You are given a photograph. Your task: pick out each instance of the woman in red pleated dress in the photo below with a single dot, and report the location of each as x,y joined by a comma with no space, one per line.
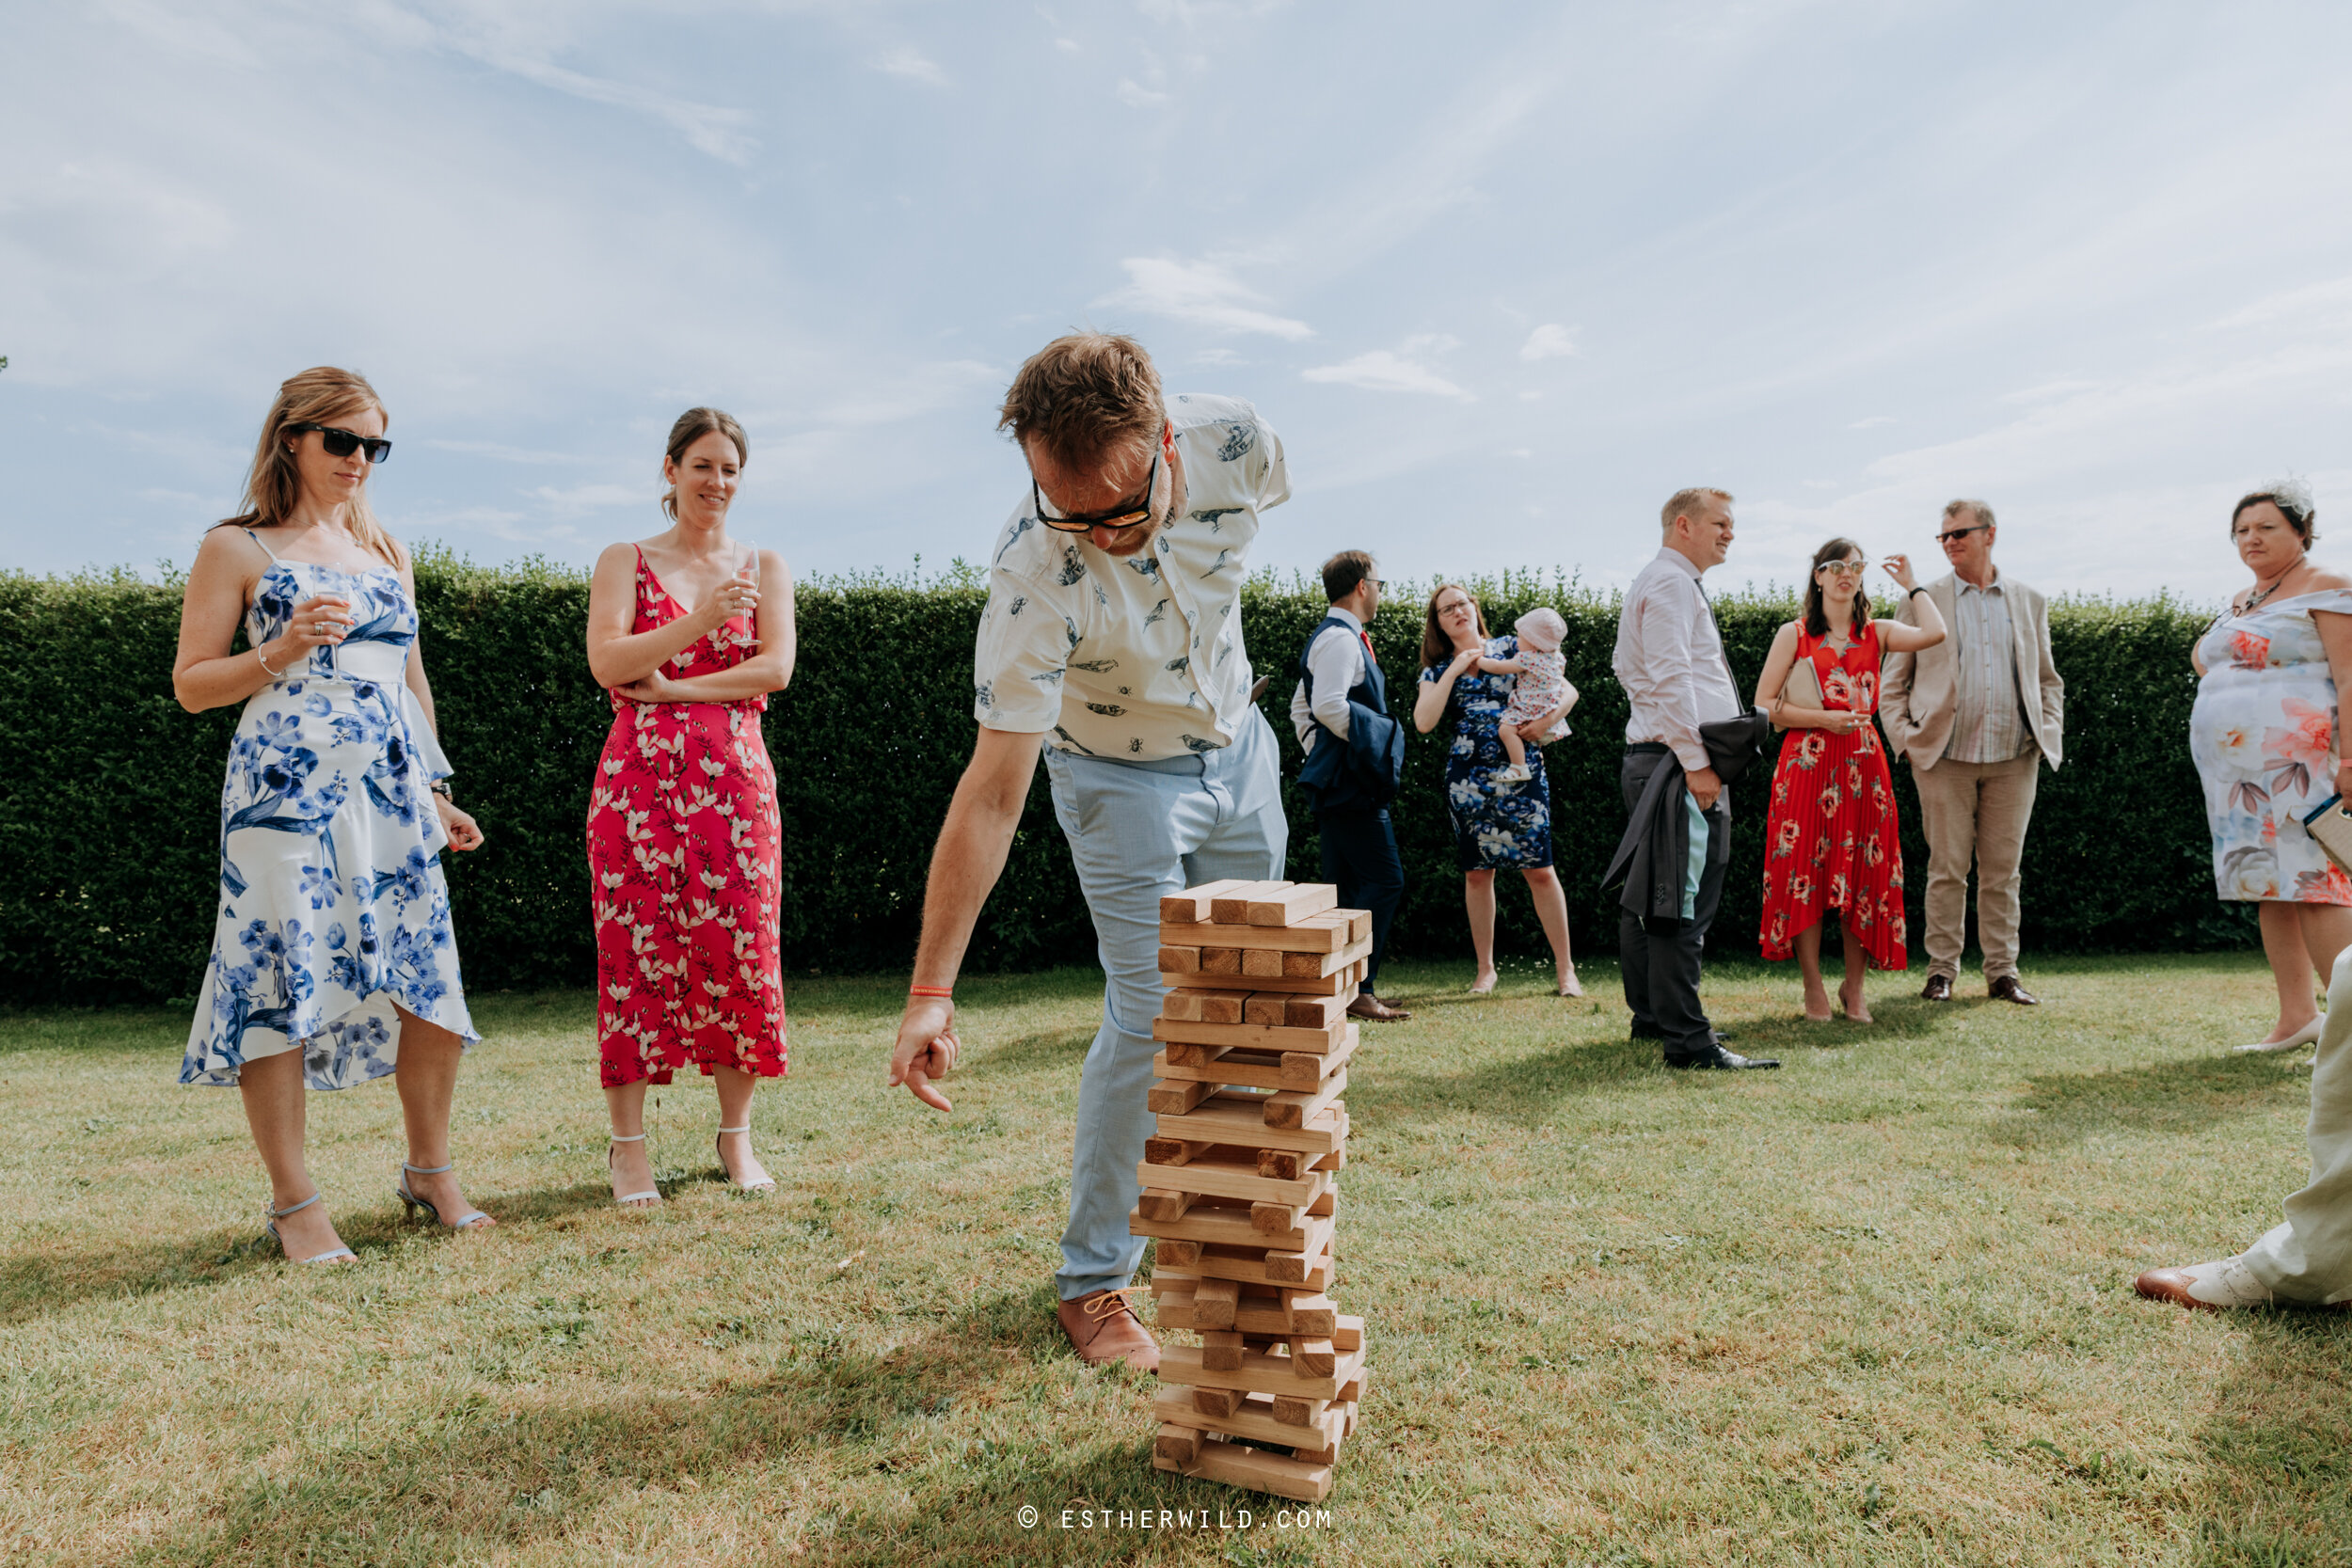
1831,841
690,630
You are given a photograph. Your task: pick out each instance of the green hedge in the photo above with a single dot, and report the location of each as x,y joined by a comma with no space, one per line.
109,823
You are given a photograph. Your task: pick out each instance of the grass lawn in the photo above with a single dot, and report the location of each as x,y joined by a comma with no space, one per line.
1872,1309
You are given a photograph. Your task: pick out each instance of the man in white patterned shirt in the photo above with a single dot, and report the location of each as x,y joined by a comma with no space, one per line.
1976,715
1112,642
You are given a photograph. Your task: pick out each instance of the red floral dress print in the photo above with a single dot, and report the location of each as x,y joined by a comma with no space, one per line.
1832,840
685,849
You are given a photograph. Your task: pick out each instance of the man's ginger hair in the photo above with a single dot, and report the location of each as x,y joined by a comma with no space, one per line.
1083,397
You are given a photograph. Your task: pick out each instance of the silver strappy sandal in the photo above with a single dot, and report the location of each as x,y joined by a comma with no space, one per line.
472,1216
277,1214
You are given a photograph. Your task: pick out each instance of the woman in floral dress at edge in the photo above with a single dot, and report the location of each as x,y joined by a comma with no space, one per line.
1831,841
2264,738
1495,827
690,630
333,961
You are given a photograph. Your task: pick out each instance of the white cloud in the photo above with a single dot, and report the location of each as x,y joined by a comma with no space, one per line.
913,66
707,127
1384,371
1218,356
1548,342
1136,96
572,500
1872,422
1201,293
1068,46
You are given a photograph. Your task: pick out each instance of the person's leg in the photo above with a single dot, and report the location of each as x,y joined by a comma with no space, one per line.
1478,897
277,1109
1632,931
2326,933
1359,857
1808,945
736,1089
1857,965
426,1071
2309,1257
1552,910
1678,948
2003,807
1948,812
630,1163
1513,747
2290,967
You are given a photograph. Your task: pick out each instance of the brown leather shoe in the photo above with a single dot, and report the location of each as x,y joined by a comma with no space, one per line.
1369,1006
2006,989
1938,988
1104,1328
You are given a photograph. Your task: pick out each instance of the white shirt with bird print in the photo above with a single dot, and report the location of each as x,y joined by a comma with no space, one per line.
1137,658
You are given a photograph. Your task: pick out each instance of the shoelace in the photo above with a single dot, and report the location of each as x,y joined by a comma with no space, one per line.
1098,1306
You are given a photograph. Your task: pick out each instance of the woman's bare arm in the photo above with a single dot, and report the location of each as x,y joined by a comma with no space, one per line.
617,656
205,674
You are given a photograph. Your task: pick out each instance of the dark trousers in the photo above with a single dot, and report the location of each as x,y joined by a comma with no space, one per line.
1659,958
1360,854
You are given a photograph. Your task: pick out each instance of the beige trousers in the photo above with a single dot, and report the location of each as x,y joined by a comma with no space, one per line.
1975,811
2309,1258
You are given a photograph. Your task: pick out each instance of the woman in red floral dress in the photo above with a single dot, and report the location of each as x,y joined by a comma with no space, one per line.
690,630
1831,841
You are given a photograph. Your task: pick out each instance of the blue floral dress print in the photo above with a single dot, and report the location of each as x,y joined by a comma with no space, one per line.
332,904
1496,827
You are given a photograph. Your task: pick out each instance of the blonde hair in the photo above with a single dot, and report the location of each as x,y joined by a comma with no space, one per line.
1685,503
692,426
273,486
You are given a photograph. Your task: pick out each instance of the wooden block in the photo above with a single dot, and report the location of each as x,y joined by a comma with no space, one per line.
1204,1007
1326,1203
1249,1265
1292,1108
1163,1204
1251,1417
1276,1164
1257,1374
1174,1099
1275,1219
1174,1151
1230,1172
1311,1312
1256,1470
1231,906
1181,962
1320,933
1335,1161
1221,1349
1306,1312
1352,1386
1215,1301
1299,1268
1291,1411
1279,1009
1230,1117
1307,1070
1186,1054
1263,1070
1178,1443
1191,907
1359,923
1342,982
1219,1402
1348,1333
1222,1223
1291,904
1321,1040
1175,1254
1220,960
1270,965
1310,1353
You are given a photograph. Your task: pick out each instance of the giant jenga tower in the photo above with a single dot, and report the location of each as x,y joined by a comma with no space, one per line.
1241,1183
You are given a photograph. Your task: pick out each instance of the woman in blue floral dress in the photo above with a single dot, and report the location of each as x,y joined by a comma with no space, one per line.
333,961
1496,826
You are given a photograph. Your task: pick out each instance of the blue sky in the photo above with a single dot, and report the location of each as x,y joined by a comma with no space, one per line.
1502,276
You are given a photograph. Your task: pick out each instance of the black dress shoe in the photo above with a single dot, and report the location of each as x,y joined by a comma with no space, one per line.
1938,988
1716,1057
2006,989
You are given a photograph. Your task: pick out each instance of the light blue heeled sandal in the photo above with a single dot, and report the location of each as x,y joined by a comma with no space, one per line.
472,1216
277,1214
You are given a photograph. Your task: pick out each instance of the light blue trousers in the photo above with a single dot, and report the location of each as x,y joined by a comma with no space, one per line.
1139,830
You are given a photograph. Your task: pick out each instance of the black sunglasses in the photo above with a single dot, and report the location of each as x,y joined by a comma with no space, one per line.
1961,533
343,443
1126,515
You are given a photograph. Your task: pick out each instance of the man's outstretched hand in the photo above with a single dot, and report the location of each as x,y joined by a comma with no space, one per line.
926,1048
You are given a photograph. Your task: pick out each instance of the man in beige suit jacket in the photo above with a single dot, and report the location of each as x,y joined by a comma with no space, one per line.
1976,715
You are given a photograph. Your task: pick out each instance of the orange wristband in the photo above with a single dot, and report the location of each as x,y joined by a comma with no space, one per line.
931,990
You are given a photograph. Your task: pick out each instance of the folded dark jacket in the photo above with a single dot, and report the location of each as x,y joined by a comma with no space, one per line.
1364,771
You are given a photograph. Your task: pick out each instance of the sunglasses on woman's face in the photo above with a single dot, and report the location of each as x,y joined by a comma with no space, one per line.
343,443
1845,568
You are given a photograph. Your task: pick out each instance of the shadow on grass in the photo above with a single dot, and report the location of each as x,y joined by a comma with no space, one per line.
2168,1098
476,1481
2278,1486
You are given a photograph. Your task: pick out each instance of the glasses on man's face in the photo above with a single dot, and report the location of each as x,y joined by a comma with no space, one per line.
1847,569
1954,536
1133,513
343,443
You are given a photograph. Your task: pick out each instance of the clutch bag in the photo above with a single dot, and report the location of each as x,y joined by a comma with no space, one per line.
2331,828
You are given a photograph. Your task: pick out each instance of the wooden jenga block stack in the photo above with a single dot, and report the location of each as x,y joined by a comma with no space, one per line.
1241,1183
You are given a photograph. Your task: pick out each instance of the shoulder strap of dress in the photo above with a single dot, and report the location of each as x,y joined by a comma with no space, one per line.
257,539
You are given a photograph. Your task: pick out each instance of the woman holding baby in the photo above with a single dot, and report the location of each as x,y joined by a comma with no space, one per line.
1831,840
1496,791
689,631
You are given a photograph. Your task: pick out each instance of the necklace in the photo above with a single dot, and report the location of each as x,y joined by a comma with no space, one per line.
2248,609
